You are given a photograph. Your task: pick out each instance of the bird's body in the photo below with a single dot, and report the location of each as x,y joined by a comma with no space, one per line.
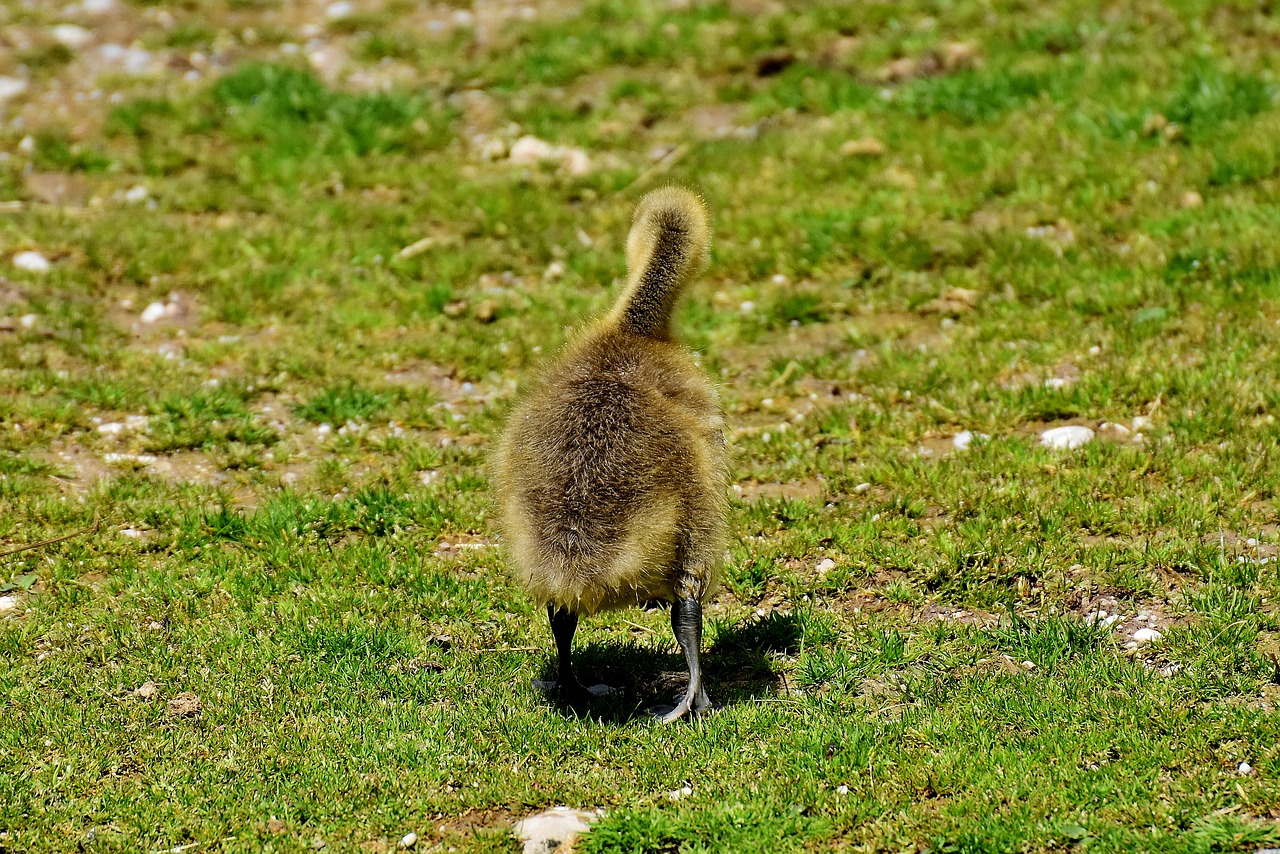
611,472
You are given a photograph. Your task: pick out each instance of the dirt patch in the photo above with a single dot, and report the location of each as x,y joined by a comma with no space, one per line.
87,467
444,383
1126,618
810,489
471,821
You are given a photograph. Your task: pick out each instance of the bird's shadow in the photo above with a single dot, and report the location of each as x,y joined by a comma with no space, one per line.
736,668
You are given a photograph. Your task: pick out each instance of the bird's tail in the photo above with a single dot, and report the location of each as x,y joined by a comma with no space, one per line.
668,246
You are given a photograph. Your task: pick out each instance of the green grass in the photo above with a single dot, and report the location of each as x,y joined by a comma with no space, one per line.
908,647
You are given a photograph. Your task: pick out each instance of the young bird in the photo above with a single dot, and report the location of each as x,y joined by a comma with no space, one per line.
611,473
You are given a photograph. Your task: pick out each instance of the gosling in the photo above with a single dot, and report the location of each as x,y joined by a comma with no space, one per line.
611,473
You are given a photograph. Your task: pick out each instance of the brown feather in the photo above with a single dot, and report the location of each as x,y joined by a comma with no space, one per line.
611,472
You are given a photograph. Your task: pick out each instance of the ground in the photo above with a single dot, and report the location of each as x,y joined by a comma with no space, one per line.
271,274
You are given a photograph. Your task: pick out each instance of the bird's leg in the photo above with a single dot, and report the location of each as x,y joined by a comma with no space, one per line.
563,625
686,624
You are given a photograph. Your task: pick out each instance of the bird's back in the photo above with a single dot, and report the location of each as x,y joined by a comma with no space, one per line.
600,466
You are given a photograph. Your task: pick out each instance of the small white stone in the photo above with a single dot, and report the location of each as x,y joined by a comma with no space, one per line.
529,151
1146,635
1141,422
111,428
97,7
69,35
131,533
27,145
324,429
861,488
1244,769
32,262
131,60
8,603
1056,383
136,194
555,829
575,161
1251,542
964,439
28,321
1070,436
339,10
1029,665
554,270
825,565
152,313
1095,350
842,789
779,279
409,840
12,87
747,307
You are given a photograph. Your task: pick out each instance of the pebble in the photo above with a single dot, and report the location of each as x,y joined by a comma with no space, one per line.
747,307
530,151
11,87
28,321
339,10
69,35
964,439
1244,769
32,262
8,603
1070,436
554,830
136,194
1056,383
576,162
132,60
842,789
1147,635
409,840
152,313
1192,199
861,488
140,459
1141,422
683,792
825,565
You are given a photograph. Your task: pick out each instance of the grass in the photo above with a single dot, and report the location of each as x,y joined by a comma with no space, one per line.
289,471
